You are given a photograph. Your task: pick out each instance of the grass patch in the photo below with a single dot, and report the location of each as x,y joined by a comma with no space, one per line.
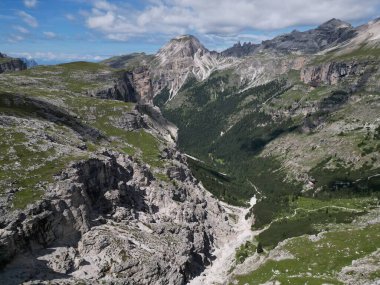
148,145
244,251
162,177
304,222
342,180
354,203
362,52
321,261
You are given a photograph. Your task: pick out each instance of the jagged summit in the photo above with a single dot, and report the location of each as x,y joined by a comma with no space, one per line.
333,24
239,50
326,35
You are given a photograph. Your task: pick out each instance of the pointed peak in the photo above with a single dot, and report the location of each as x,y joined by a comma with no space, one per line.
334,24
185,45
185,40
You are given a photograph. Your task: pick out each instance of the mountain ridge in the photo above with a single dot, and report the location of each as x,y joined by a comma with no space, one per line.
184,56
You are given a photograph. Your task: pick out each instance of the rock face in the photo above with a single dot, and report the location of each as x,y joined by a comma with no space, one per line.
331,72
184,57
9,64
361,74
133,86
108,220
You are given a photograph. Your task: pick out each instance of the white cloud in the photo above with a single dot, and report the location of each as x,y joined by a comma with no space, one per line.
21,29
28,19
219,17
50,35
58,56
70,17
15,38
30,3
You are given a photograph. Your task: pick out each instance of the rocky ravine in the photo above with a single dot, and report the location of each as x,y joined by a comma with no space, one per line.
218,271
107,219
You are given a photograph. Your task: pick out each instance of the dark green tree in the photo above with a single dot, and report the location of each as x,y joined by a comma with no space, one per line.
259,248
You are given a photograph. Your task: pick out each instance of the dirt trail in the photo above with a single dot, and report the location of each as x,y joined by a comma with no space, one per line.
217,272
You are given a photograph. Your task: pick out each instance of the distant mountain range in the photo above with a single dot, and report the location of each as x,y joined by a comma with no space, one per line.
29,62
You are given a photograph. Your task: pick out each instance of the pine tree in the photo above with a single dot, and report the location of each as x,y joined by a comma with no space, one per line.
259,248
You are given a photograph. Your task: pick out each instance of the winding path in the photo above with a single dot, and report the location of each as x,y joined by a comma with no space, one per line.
217,272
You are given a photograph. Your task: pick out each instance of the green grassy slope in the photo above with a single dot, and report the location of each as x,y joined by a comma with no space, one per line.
52,122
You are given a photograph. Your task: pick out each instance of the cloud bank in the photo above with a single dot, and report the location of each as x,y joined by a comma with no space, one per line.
218,17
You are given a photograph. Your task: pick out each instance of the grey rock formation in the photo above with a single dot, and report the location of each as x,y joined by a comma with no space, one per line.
331,73
133,86
108,220
183,57
9,64
326,35
157,121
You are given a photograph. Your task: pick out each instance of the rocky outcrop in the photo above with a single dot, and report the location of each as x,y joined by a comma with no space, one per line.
333,72
9,64
133,86
159,123
109,220
122,90
143,84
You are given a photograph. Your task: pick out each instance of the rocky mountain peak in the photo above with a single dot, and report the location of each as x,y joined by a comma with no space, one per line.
182,46
334,24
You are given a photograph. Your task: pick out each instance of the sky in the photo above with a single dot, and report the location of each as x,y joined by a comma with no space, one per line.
53,31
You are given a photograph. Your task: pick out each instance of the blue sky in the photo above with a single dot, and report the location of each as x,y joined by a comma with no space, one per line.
54,31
